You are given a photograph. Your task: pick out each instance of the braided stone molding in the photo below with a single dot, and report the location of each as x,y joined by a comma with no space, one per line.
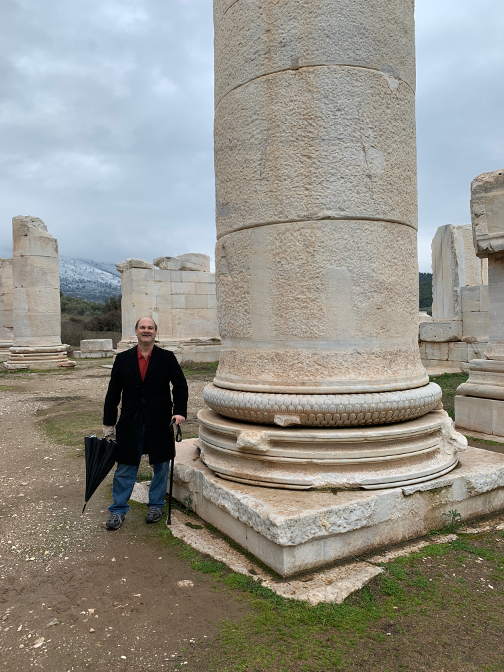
323,410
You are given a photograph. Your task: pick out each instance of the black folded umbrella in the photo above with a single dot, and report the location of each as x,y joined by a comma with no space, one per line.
100,458
178,438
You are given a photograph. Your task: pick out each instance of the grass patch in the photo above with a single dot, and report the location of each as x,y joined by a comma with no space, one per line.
69,419
449,383
199,368
423,612
485,441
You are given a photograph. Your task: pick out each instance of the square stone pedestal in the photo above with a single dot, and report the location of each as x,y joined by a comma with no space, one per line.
478,414
292,531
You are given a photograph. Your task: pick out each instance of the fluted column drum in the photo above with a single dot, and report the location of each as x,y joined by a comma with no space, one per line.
316,257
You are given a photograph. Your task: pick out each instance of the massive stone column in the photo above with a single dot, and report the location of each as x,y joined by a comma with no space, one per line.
6,317
316,259
479,405
36,298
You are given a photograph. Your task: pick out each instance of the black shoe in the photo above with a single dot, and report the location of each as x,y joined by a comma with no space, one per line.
154,516
114,522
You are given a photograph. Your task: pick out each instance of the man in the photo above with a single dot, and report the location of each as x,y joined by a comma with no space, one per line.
142,375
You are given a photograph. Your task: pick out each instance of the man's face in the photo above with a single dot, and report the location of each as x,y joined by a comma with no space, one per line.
146,331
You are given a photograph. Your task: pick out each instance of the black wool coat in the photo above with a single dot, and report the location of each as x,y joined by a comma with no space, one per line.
148,402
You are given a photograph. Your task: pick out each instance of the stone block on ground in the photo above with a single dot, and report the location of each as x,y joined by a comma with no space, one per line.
441,331
294,531
96,345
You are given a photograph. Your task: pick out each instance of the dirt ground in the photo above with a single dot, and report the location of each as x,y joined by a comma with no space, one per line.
74,596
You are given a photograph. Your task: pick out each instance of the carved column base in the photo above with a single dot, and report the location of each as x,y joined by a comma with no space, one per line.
38,357
305,458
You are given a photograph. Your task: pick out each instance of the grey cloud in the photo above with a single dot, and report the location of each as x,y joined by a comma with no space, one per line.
106,120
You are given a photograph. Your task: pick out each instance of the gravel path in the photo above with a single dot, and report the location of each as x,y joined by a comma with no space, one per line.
74,596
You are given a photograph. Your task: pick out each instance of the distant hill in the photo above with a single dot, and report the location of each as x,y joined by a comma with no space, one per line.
89,280
96,281
425,282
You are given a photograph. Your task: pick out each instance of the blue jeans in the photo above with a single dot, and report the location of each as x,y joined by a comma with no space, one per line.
124,480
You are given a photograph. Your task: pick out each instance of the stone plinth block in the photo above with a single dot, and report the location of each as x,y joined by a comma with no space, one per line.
486,379
487,213
368,457
441,332
95,348
96,345
38,357
479,414
292,531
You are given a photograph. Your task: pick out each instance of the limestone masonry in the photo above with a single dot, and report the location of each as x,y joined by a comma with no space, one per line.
36,298
316,267
479,406
458,332
95,348
6,316
323,438
179,294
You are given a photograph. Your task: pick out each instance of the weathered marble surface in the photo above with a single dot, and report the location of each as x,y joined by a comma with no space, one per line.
454,265
36,298
95,348
330,457
321,410
316,209
479,405
6,314
292,531
487,213
316,197
179,294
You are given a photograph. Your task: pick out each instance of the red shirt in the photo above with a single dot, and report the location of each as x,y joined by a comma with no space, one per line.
143,363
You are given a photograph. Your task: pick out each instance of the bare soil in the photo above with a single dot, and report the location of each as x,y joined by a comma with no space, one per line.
74,596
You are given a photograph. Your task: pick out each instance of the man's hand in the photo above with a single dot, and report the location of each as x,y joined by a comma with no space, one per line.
108,431
178,419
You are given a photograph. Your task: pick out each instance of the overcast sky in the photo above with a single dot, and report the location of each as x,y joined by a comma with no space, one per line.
106,120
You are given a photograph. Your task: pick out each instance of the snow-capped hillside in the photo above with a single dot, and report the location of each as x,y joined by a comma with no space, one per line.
91,280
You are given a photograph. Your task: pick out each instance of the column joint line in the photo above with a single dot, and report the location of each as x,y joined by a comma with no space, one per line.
321,65
256,225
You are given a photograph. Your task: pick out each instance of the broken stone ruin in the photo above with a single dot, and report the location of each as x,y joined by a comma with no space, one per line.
479,405
323,438
458,330
6,315
179,294
36,310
